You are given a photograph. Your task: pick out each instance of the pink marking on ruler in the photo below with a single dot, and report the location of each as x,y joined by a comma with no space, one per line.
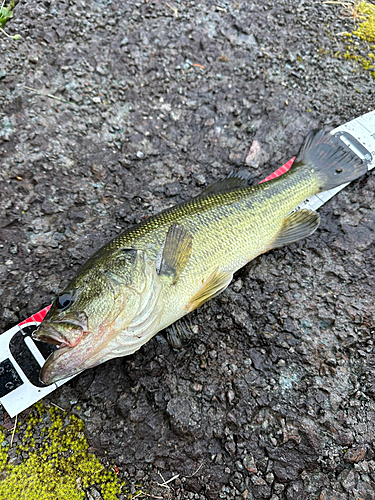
279,171
40,315
37,317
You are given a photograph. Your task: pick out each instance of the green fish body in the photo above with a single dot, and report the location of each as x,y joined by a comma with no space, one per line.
156,272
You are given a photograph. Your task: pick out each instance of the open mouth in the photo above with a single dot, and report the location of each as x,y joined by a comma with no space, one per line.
52,336
65,332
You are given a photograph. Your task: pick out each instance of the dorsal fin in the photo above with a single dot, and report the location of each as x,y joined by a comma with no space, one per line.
233,181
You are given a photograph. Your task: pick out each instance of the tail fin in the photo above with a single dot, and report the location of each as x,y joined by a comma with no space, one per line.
326,156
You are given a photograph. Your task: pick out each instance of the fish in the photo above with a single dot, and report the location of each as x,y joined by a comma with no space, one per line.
161,269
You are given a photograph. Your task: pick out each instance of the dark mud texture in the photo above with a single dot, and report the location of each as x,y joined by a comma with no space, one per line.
274,398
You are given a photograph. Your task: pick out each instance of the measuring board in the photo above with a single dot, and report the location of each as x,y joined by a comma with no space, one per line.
21,357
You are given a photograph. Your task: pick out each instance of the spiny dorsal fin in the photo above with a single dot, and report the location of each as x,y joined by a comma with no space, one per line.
215,283
233,181
176,252
296,226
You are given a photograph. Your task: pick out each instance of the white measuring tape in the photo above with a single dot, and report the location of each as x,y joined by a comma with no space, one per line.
21,357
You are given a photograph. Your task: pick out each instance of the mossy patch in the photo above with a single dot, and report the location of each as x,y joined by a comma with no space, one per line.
361,41
56,463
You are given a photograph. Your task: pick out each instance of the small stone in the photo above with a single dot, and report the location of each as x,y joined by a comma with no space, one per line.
255,110
196,387
9,316
270,478
278,487
77,215
94,494
236,157
231,448
140,155
249,464
200,180
175,114
259,481
209,122
101,70
231,396
257,155
201,349
239,465
348,482
192,485
33,58
356,454
237,285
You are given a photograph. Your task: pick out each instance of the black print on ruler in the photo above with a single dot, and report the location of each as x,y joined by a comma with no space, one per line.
9,378
25,358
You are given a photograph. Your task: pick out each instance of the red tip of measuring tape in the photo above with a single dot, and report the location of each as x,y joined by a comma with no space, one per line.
37,317
280,171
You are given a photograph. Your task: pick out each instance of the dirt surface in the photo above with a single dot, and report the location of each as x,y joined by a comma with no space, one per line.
275,395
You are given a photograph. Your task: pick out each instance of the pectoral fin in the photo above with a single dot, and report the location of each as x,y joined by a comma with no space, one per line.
176,252
295,226
215,283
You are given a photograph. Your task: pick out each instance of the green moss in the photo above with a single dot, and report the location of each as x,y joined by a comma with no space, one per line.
366,29
362,37
60,468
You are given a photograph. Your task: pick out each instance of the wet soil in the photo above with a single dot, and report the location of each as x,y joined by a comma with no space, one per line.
274,397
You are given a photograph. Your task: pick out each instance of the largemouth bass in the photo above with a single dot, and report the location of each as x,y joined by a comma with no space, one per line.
161,269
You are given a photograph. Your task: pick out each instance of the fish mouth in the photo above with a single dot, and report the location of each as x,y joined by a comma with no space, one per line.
50,335
67,331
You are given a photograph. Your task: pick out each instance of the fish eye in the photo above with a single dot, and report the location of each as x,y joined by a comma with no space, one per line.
64,300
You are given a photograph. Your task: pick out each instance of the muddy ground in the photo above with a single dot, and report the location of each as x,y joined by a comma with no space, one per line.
275,395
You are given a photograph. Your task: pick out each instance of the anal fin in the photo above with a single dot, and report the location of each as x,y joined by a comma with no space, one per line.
296,226
215,283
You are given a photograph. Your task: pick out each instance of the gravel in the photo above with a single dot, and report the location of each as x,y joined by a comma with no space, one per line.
274,397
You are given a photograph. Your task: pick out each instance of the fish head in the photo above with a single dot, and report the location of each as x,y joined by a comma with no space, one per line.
109,309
